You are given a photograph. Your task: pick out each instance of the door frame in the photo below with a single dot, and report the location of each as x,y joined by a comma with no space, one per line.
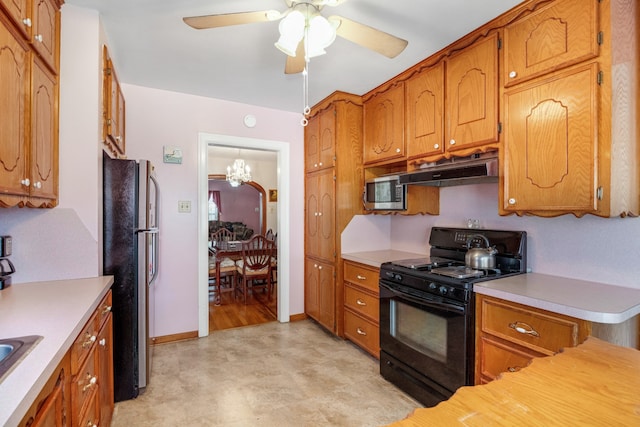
283,151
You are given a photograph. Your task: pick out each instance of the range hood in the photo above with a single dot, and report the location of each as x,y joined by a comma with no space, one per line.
476,169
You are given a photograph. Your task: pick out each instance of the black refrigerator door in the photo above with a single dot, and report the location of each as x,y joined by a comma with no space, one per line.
120,253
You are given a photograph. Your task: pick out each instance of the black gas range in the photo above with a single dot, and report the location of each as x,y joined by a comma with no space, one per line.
444,272
427,318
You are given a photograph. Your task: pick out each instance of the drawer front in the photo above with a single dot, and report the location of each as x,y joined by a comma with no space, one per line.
103,311
84,384
362,275
538,330
498,357
83,344
362,303
362,332
90,417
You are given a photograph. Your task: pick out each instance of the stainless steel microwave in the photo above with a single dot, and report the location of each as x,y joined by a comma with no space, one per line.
385,193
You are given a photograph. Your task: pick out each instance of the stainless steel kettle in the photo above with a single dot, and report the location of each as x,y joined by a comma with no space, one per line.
480,258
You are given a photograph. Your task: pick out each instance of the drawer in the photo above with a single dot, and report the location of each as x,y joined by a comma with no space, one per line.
362,275
103,310
498,357
362,303
84,384
362,332
91,414
83,344
539,330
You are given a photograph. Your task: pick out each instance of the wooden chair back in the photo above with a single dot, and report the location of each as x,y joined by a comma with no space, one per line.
223,235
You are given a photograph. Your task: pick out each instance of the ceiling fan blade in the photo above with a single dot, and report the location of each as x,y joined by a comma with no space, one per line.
227,19
296,64
371,38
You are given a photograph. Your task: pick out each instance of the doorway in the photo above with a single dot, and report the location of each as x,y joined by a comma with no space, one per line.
282,151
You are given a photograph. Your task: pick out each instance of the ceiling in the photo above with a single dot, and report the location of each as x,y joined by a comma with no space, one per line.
152,47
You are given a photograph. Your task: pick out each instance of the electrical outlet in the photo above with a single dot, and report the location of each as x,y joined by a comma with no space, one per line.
184,206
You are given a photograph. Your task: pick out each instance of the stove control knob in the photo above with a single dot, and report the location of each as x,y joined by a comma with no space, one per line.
398,278
432,286
443,290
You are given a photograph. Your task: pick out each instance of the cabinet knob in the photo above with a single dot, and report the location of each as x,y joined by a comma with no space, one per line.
512,74
512,201
397,150
38,37
37,184
103,342
27,22
107,308
320,163
452,142
319,267
436,146
315,214
25,182
319,213
315,165
90,340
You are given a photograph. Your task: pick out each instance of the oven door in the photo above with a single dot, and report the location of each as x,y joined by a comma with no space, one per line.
425,339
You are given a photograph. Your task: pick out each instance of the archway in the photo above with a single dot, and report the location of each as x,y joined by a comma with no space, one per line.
263,199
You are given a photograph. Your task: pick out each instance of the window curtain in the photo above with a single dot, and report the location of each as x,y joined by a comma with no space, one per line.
214,196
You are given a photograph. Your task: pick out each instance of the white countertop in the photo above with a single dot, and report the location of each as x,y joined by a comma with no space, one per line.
56,310
375,258
595,302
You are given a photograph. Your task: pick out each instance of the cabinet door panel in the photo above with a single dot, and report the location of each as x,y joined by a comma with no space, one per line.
384,126
105,376
311,287
15,61
44,150
327,296
45,40
312,209
424,103
311,144
550,143
18,10
327,143
472,95
326,216
559,35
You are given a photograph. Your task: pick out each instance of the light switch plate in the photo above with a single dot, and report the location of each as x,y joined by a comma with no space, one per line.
184,206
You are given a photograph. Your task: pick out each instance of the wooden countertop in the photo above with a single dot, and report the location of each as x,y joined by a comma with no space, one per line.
595,302
56,310
593,384
376,258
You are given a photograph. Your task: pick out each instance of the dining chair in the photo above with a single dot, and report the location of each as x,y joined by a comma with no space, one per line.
226,265
254,267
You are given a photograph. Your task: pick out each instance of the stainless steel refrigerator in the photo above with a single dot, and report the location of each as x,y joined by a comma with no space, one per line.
130,254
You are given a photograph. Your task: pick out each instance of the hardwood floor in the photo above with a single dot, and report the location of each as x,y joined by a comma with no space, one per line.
232,314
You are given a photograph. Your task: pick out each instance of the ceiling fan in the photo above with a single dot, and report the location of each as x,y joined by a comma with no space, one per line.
300,30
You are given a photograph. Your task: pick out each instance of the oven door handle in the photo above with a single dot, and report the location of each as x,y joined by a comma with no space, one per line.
426,299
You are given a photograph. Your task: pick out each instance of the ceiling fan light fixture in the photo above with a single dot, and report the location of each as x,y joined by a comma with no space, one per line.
320,34
291,32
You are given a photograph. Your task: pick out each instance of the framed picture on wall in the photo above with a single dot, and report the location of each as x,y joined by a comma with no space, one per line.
273,195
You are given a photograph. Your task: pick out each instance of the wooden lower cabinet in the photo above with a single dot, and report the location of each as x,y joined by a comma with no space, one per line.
510,335
80,392
362,306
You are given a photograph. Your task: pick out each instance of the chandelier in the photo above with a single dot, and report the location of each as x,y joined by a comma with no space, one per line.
305,24
239,173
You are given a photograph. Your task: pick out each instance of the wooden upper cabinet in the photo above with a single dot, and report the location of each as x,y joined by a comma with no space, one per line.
113,128
15,63
320,143
549,161
561,34
424,112
44,130
384,126
472,97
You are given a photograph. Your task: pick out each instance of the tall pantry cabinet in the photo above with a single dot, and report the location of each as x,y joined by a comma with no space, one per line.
333,195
